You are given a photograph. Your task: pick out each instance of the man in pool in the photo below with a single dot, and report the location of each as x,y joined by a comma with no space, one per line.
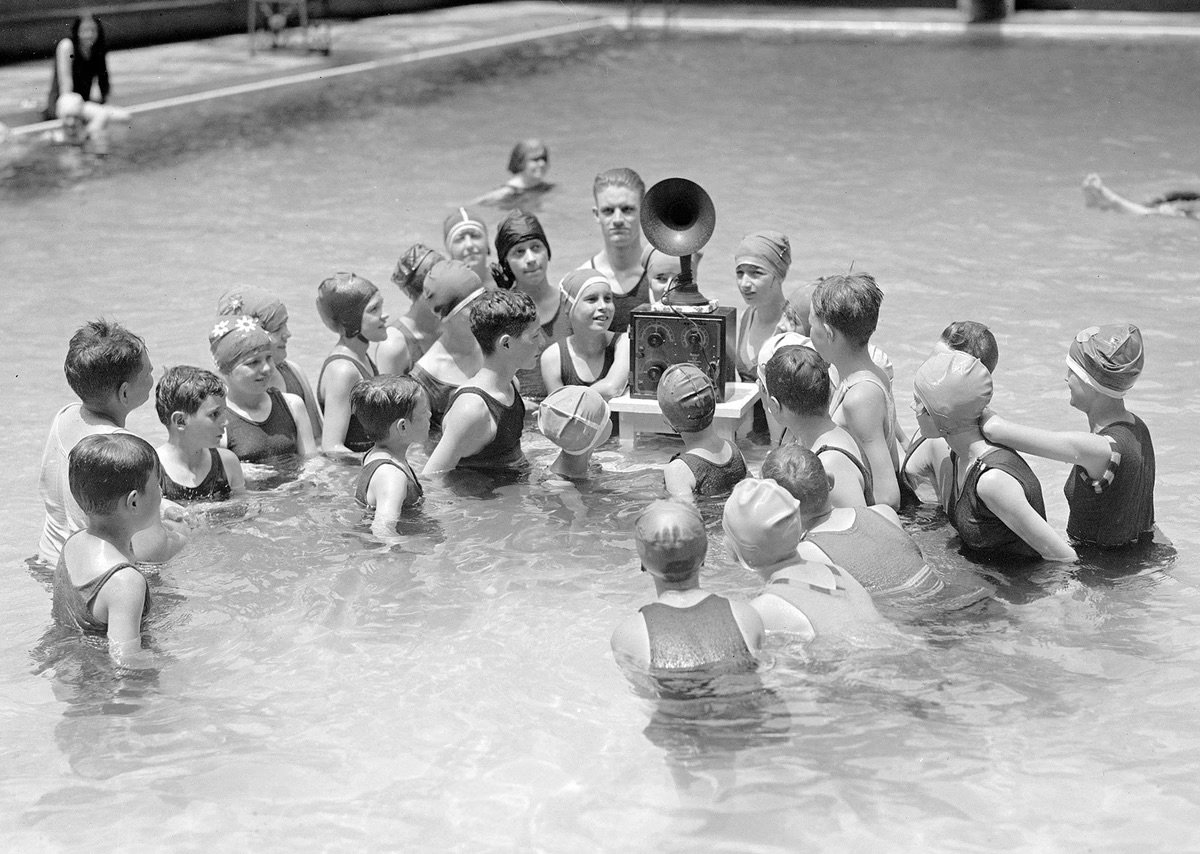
1185,203
618,209
687,628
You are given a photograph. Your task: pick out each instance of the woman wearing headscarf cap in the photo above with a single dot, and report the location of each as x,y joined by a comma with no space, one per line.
993,499
352,308
264,423
1110,490
466,239
761,263
524,254
412,333
451,287
272,315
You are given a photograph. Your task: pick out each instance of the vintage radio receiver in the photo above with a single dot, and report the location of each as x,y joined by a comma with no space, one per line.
659,339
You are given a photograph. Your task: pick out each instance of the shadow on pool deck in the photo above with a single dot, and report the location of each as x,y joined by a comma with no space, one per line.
149,77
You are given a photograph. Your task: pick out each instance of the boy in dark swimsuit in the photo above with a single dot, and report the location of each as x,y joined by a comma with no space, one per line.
191,404
687,628
485,418
394,411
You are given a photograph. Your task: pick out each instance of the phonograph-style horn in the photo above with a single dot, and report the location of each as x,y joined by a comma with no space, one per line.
678,218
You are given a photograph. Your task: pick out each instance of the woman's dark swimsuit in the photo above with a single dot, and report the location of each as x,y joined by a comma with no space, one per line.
714,478
978,527
356,435
698,636
214,487
266,440
868,479
1117,509
567,365
439,392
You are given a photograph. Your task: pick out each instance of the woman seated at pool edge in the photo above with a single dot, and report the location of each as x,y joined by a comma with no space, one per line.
80,63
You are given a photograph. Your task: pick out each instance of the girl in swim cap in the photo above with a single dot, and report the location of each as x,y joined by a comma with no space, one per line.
1110,490
994,499
761,263
352,307
412,333
592,354
264,423
524,254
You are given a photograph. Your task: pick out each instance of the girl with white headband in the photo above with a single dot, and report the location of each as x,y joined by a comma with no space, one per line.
592,354
1110,490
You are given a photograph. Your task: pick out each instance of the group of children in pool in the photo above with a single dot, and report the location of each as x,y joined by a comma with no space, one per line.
819,524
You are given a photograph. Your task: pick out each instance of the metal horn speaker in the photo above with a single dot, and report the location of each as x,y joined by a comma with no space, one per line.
678,218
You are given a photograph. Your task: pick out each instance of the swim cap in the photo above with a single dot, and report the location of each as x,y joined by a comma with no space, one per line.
762,522
767,249
451,286
576,282
780,340
341,301
1108,358
412,268
671,540
263,306
576,418
687,397
515,229
459,220
954,388
233,339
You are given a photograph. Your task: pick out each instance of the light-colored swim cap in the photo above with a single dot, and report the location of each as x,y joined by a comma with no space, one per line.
233,339
576,282
576,418
1108,358
762,522
954,388
671,540
687,397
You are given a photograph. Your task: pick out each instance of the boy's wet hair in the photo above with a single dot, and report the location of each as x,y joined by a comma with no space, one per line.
798,470
379,402
499,313
101,356
619,177
184,388
799,379
523,150
968,336
850,304
103,468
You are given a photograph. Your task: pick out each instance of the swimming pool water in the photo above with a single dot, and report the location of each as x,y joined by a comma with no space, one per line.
455,691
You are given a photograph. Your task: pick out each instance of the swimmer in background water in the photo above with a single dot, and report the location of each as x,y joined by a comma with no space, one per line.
528,163
1184,203
80,64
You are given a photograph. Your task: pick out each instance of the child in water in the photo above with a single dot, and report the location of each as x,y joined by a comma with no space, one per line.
394,412
191,404
265,424
763,529
528,164
97,586
352,307
576,419
709,465
486,416
686,628
591,355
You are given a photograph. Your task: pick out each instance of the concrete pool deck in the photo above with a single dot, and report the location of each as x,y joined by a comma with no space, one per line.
173,75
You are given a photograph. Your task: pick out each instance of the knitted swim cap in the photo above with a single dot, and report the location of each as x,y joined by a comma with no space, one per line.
576,418
412,268
671,540
778,341
687,397
460,219
233,339
262,305
450,287
1108,358
762,522
341,301
768,249
576,282
954,388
